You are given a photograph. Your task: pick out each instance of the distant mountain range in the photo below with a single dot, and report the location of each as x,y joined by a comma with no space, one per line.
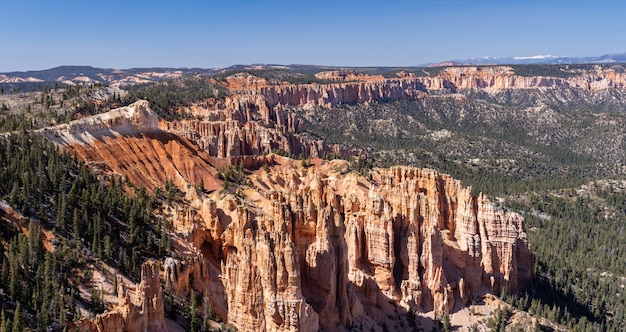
118,77
536,59
88,74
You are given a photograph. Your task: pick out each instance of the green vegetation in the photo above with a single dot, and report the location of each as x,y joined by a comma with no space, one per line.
561,71
498,322
578,242
445,323
28,86
275,75
232,174
498,157
533,148
417,71
91,220
168,97
43,106
13,122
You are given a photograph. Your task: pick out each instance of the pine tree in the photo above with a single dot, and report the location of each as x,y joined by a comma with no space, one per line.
193,313
18,325
7,325
3,322
445,323
163,239
107,248
76,223
208,313
13,196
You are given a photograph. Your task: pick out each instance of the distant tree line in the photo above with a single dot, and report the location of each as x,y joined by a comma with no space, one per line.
168,97
276,75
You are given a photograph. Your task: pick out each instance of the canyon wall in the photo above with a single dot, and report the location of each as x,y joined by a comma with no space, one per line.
313,245
128,141
300,248
320,247
259,117
353,87
134,118
310,96
502,78
244,125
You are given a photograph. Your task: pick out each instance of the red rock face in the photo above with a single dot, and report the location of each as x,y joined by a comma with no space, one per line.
151,159
303,248
318,247
244,125
327,95
256,119
411,236
310,248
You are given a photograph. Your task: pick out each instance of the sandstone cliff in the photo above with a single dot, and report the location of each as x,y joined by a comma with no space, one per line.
315,245
353,87
301,248
501,78
259,117
139,307
128,141
244,125
324,248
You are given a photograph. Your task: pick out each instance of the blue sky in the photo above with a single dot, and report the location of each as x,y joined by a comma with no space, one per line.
136,33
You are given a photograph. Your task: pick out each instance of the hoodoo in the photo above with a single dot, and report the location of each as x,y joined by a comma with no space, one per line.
304,248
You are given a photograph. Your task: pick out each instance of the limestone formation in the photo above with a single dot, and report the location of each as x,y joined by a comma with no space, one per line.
244,125
343,244
139,308
302,248
310,248
258,116
134,118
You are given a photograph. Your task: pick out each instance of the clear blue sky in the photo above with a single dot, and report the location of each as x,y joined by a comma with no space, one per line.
136,33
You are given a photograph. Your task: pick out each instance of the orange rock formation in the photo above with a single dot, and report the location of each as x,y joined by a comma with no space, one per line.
344,244
304,248
128,142
139,308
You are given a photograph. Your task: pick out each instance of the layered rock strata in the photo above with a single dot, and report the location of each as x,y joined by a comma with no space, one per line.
324,248
314,245
128,141
244,125
129,120
308,248
258,117
352,87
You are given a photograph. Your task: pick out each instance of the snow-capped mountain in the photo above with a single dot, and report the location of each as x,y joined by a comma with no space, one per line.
537,59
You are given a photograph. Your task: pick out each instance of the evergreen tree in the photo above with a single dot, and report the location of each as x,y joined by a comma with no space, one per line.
193,313
18,325
76,223
3,321
445,323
